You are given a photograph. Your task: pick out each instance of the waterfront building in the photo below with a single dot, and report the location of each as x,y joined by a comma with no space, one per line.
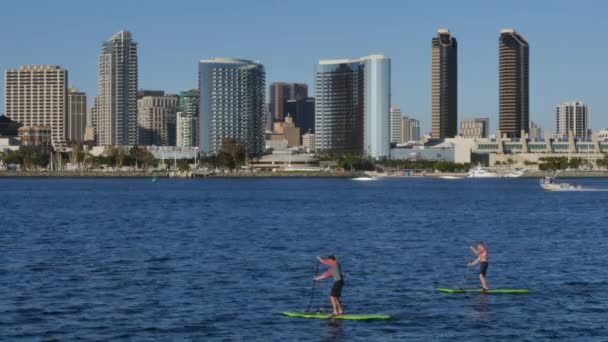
116,105
536,131
302,112
513,84
232,104
475,128
77,115
280,93
444,85
36,136
308,141
187,118
410,130
156,120
352,107
396,129
572,117
37,96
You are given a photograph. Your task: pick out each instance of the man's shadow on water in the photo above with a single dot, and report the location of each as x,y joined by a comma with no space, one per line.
335,330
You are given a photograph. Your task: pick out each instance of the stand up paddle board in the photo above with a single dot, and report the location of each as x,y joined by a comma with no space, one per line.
493,291
327,316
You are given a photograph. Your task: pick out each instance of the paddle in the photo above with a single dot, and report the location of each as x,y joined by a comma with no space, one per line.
312,289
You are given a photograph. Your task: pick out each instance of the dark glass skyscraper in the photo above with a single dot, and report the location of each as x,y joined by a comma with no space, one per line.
444,86
303,113
514,84
281,92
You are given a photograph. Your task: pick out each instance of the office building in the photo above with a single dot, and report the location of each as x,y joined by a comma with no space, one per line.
535,132
444,86
396,134
156,120
302,111
36,136
572,117
280,92
187,118
513,84
352,108
77,115
410,130
37,96
475,128
232,104
308,141
288,131
116,107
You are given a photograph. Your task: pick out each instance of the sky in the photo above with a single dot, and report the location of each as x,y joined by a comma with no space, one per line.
567,53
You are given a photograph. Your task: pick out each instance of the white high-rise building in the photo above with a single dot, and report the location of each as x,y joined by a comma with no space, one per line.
116,111
396,125
572,117
156,120
37,96
352,107
232,104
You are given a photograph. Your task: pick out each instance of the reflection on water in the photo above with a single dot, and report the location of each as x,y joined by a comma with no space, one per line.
335,330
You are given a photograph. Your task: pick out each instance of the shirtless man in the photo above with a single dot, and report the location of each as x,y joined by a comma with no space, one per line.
482,259
334,271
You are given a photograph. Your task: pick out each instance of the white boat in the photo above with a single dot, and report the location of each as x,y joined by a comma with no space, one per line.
450,177
481,172
363,179
513,173
550,184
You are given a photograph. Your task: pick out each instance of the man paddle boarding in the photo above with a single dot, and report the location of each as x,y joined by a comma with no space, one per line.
336,290
482,259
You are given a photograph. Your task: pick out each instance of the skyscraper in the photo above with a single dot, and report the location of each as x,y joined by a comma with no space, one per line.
513,84
280,92
410,130
232,104
536,131
77,115
187,118
396,125
475,128
37,96
302,111
572,117
156,120
444,85
352,108
116,109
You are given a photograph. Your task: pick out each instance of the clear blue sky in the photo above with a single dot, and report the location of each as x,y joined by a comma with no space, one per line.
568,56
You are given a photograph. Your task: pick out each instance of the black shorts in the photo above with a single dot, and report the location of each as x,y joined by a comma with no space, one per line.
336,289
483,268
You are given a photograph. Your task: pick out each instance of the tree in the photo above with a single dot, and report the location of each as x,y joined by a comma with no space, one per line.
232,153
77,154
183,166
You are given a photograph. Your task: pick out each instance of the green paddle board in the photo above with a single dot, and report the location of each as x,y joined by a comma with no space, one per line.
493,291
344,317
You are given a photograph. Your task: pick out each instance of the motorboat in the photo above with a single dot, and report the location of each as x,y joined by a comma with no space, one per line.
481,172
363,178
550,184
450,177
513,173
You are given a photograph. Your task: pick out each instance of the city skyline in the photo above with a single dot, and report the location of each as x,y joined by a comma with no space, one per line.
171,65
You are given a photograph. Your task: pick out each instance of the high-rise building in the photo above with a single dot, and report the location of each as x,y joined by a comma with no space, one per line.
116,107
302,111
352,108
37,96
156,120
396,125
410,130
444,86
536,131
232,104
187,118
513,84
280,92
308,141
77,115
475,128
572,117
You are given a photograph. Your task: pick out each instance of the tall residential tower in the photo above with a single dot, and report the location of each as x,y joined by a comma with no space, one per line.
352,108
572,117
514,111
77,115
444,86
231,104
116,111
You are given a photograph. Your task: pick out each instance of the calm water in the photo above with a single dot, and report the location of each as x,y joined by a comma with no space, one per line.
220,259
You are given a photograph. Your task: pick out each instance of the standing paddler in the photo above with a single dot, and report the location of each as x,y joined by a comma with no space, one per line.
336,290
482,259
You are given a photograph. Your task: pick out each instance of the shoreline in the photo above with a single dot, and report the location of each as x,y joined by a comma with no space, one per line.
344,175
